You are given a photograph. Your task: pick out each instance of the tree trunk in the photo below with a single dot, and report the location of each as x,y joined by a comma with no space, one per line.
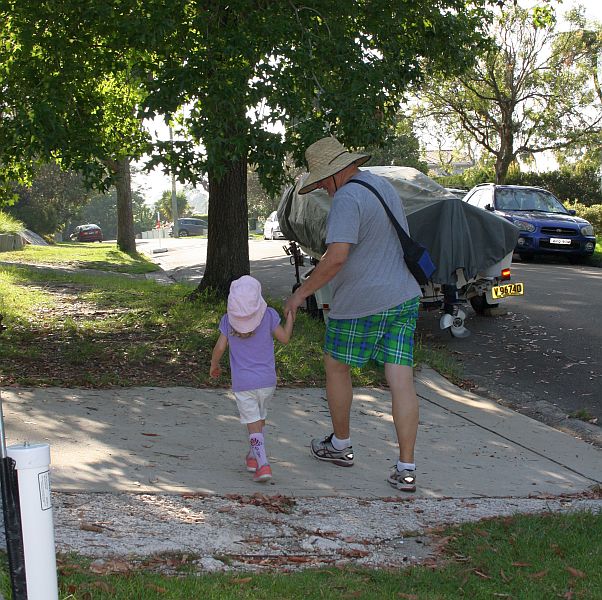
505,154
126,239
228,235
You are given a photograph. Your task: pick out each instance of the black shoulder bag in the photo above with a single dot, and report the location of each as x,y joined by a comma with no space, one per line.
417,257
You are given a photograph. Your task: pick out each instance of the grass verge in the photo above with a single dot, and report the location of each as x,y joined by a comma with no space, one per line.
526,557
101,256
77,328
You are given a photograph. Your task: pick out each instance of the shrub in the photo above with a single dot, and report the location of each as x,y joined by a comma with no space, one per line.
593,214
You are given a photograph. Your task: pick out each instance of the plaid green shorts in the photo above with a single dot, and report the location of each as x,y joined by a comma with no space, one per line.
386,337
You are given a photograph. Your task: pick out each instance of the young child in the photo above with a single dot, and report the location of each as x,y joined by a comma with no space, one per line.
248,329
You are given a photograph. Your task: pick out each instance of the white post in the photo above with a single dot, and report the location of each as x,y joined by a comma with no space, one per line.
33,472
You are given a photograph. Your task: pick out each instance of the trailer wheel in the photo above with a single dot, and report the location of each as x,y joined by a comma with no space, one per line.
480,305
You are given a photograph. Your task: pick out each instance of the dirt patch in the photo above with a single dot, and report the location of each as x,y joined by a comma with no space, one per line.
263,532
77,343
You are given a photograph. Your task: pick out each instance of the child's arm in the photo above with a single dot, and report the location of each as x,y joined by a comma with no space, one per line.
283,334
218,351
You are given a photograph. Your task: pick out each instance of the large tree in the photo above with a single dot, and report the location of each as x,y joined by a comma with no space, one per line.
68,95
318,68
522,97
242,67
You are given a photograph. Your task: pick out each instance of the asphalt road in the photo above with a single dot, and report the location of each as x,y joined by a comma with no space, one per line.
546,348
548,345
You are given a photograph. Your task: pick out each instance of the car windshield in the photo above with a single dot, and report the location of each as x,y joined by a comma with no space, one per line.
527,200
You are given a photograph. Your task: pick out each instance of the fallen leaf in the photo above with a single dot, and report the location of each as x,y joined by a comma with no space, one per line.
481,574
156,588
407,596
354,553
299,559
242,580
90,527
151,434
104,567
575,572
538,575
503,576
521,564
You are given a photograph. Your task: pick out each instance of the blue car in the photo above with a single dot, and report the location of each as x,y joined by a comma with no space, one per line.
546,226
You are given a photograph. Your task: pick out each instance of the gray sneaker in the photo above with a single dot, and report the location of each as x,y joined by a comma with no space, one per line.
403,480
324,450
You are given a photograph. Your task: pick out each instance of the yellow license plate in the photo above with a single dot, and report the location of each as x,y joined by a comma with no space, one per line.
509,289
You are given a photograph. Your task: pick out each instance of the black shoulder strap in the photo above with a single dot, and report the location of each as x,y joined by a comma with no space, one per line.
403,236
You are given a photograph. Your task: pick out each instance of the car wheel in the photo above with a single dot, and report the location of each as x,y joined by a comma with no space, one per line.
480,305
182,233
577,260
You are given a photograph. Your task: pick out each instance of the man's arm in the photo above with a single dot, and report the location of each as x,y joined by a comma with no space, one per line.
330,264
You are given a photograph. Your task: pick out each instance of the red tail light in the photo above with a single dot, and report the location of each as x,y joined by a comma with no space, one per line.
505,274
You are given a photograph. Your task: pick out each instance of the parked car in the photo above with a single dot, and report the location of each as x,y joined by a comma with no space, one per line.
546,226
87,233
190,226
271,228
457,192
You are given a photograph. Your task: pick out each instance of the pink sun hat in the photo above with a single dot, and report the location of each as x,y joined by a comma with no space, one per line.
246,306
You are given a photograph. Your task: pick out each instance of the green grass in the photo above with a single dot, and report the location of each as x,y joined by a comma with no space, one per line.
85,329
71,327
102,256
10,225
78,328
526,557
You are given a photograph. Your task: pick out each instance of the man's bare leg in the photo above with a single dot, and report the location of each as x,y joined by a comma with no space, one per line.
339,392
404,408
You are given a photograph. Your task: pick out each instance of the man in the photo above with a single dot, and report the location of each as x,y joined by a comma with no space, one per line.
374,304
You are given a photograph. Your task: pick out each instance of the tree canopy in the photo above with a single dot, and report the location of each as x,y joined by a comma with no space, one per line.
527,93
78,76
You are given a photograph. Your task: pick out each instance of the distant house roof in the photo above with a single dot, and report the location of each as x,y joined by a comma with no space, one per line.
446,162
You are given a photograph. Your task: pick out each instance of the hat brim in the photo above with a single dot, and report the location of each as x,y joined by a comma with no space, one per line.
250,322
316,177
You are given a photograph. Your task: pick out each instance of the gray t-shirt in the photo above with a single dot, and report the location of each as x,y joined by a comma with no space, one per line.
375,277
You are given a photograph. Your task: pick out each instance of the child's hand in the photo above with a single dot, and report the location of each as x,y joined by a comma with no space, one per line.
215,371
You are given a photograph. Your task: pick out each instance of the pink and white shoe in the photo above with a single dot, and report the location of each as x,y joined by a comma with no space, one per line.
251,463
263,473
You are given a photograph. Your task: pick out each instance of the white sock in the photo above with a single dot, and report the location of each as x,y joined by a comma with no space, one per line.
258,448
340,444
407,466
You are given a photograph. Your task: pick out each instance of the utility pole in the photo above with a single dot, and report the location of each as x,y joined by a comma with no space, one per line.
174,200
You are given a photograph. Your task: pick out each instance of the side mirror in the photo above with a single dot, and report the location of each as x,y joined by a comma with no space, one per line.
572,212
489,207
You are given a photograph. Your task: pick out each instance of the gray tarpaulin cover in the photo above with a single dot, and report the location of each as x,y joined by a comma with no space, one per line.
456,234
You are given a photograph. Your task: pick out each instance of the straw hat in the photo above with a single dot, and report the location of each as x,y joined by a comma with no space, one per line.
246,306
326,158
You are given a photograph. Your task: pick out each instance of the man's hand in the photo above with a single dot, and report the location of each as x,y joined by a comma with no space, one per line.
330,264
293,303
215,371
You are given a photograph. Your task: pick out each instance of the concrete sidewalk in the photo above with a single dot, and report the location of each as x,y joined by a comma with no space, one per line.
175,440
